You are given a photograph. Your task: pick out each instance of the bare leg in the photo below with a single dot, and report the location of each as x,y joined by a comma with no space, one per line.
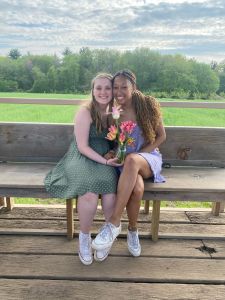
134,165
134,203
87,206
108,205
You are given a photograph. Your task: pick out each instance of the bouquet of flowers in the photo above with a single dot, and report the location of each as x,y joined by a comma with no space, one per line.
120,132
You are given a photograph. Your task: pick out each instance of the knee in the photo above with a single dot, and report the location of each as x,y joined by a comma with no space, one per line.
130,161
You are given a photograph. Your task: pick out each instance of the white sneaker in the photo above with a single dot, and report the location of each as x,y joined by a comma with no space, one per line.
85,251
133,243
106,236
100,255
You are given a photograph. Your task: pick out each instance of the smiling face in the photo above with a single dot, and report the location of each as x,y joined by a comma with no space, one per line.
122,90
102,90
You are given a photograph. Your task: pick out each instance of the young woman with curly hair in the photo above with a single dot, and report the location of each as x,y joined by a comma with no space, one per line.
142,161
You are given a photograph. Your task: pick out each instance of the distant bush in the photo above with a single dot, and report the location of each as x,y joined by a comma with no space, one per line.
8,86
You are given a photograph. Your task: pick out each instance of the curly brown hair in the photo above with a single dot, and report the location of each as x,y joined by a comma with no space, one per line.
147,108
93,105
148,114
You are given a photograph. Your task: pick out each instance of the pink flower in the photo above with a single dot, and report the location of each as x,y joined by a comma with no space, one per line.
122,137
127,126
116,112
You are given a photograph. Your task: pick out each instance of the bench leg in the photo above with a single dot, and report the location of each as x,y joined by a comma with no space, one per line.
222,206
9,203
69,217
76,205
217,208
146,208
155,220
2,201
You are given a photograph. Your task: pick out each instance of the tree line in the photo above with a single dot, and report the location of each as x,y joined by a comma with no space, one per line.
161,75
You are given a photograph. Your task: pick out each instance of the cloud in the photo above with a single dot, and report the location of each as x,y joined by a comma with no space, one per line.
171,25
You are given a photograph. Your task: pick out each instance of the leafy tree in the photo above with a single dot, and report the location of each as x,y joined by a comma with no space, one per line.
41,84
176,75
52,77
66,51
207,80
8,86
86,72
105,60
14,54
173,74
222,83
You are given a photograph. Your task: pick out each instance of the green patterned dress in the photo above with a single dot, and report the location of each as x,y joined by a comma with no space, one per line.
75,174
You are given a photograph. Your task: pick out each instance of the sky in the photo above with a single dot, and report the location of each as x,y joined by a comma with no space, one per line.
193,28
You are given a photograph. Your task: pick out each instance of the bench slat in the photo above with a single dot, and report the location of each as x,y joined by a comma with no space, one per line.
185,179
29,142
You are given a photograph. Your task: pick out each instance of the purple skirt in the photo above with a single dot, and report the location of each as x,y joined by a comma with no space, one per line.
154,160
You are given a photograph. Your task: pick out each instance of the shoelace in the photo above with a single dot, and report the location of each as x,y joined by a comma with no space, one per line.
85,245
134,239
105,232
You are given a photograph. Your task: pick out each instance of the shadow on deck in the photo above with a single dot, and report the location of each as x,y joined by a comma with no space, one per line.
38,262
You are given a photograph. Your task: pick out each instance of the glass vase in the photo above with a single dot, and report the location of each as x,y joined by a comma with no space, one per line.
121,153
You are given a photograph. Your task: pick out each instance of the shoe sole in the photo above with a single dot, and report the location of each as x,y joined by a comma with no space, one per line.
100,259
135,254
86,263
101,247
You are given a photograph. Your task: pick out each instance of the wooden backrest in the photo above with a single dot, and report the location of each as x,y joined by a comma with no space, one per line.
35,142
194,146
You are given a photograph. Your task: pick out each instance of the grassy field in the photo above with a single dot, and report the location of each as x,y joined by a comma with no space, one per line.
65,114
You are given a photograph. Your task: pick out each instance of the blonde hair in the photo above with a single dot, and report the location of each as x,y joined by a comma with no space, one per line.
147,108
93,105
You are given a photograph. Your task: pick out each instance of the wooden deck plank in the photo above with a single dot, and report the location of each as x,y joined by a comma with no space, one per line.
127,269
60,245
205,217
195,229
166,229
217,246
36,213
169,269
71,290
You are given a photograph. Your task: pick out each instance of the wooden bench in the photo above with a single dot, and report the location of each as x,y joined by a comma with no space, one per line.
27,152
194,160
194,157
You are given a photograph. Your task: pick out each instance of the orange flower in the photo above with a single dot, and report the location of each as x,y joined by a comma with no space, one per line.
130,141
112,133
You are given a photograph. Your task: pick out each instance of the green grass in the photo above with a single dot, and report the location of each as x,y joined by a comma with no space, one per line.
37,113
186,204
194,117
65,114
43,96
34,201
179,204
